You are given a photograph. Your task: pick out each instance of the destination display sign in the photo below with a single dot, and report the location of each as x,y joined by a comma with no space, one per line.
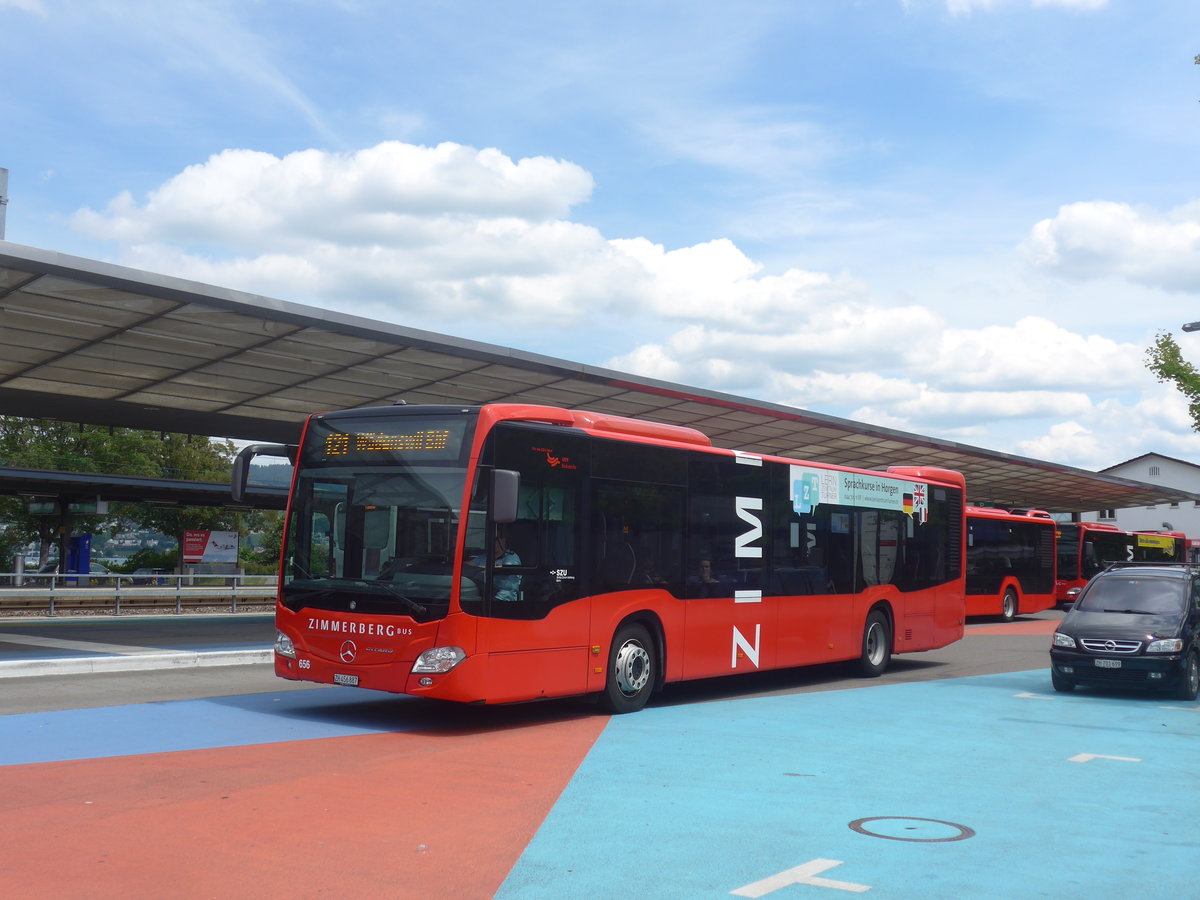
378,439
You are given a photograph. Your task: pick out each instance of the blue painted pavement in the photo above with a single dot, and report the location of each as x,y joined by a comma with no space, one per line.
710,799
198,724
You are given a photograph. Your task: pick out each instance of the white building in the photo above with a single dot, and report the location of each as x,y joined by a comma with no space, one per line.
1154,468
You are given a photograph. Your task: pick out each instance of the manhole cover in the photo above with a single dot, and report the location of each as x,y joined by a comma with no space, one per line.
902,828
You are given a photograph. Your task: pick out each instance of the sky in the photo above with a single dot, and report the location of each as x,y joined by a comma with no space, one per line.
959,218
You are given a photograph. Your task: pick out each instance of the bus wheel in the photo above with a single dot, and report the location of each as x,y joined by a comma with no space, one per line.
1008,606
632,670
876,645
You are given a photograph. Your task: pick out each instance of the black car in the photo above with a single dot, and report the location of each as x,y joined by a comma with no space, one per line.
148,576
99,574
1132,626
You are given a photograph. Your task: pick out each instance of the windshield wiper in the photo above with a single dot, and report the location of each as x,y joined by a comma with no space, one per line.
412,605
338,586
1134,612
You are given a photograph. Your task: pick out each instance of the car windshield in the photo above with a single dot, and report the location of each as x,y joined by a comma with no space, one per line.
1134,594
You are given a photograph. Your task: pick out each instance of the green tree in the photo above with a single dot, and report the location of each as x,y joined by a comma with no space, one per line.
62,446
274,522
189,458
1166,361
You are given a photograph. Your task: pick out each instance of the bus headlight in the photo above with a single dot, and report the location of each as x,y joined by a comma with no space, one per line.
439,660
1063,640
284,645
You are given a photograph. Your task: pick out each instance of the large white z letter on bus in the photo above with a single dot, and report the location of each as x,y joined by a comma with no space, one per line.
740,643
745,507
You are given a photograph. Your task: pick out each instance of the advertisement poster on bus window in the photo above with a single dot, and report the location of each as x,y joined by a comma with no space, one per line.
1156,541
210,546
812,487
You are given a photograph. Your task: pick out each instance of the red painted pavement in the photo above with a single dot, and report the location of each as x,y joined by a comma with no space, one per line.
441,813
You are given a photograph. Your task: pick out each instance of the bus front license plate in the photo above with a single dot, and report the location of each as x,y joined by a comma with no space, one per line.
349,680
1100,663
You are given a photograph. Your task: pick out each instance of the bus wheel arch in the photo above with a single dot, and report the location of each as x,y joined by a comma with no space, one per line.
879,634
635,665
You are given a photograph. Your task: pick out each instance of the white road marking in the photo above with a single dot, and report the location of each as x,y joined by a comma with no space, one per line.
1028,696
1088,757
805,874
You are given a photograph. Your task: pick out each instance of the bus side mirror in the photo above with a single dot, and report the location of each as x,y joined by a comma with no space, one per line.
1072,596
241,465
505,486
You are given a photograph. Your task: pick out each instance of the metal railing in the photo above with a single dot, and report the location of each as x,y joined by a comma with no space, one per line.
116,593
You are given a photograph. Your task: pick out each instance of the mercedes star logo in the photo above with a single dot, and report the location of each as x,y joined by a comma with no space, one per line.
348,651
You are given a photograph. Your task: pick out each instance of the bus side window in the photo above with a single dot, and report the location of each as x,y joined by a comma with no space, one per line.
637,535
545,534
729,516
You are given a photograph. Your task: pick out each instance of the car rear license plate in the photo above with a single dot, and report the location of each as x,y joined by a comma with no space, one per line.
352,680
1101,663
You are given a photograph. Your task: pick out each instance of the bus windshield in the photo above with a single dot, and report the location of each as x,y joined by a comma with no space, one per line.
374,516
373,539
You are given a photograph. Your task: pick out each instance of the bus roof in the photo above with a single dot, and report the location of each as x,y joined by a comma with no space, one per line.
1024,515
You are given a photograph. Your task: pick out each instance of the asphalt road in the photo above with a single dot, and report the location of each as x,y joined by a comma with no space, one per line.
959,774
990,647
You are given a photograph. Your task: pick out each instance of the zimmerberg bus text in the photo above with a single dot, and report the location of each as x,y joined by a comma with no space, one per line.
364,628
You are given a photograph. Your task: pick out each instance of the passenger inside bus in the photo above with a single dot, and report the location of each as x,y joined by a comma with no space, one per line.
705,582
648,572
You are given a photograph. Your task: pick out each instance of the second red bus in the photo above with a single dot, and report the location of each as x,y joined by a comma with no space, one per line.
1010,562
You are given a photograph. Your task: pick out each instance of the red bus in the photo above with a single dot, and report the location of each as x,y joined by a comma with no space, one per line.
1160,546
513,552
1085,548
1010,562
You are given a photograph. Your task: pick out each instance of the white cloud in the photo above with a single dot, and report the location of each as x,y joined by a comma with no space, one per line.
1114,430
1105,239
397,191
1069,442
901,366
473,242
717,283
447,228
1034,352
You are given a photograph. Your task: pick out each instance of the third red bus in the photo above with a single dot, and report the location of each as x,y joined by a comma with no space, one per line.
1085,548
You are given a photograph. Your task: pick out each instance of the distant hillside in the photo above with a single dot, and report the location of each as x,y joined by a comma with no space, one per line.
271,475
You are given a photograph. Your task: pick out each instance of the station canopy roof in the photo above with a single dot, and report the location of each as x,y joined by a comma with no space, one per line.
87,341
